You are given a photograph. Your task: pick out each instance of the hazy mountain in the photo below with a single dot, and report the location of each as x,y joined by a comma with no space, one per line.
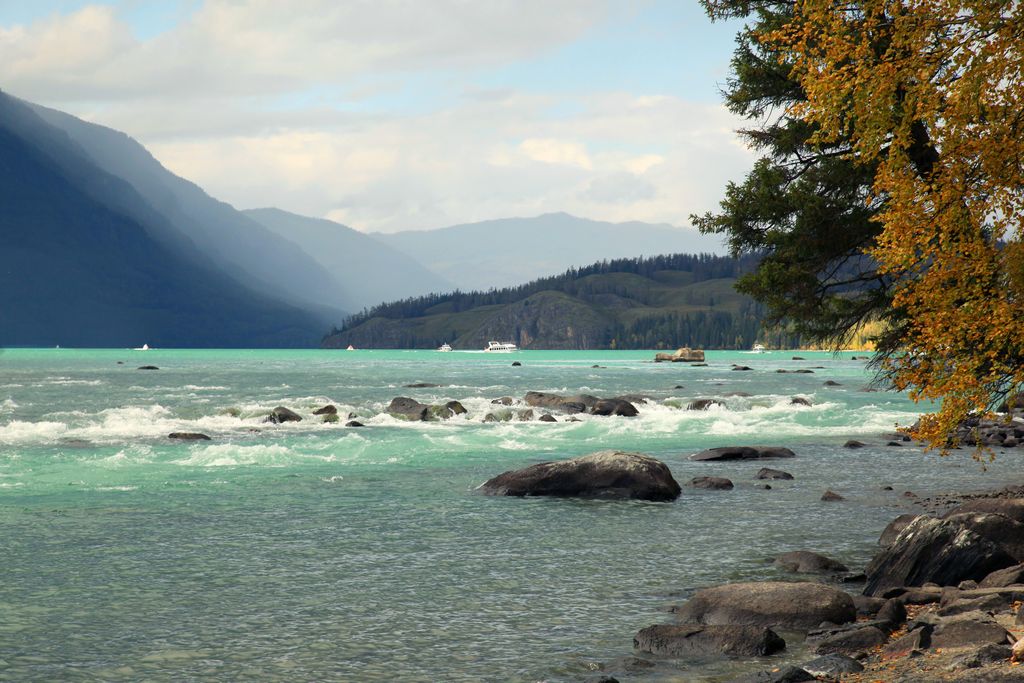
251,253
506,252
660,302
367,271
86,262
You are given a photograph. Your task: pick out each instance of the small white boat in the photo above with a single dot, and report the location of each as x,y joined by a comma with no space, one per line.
350,348
500,347
758,348
444,347
144,347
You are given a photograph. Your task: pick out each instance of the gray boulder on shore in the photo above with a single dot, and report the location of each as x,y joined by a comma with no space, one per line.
605,474
940,551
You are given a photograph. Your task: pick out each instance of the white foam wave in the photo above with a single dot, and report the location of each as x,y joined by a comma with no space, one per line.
18,432
234,455
199,387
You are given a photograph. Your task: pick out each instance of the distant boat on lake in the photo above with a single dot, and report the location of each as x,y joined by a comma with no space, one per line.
144,347
758,348
501,347
444,347
350,348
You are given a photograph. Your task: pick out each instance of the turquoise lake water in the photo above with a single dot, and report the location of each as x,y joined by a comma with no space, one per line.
314,552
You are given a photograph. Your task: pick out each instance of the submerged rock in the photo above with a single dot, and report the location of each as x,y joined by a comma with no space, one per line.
328,409
831,495
423,385
406,408
605,474
769,473
354,423
806,562
703,404
689,640
188,436
742,453
714,483
148,367
799,606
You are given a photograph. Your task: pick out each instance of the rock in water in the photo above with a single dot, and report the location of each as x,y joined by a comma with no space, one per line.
703,404
938,551
769,473
328,409
806,562
688,640
800,606
281,414
188,436
408,409
614,406
831,495
715,483
742,453
148,367
606,474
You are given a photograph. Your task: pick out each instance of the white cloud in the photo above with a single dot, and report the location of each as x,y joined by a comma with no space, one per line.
264,105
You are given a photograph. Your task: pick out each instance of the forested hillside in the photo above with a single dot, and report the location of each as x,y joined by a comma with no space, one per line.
638,303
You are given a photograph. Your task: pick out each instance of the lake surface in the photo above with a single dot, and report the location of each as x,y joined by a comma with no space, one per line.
311,551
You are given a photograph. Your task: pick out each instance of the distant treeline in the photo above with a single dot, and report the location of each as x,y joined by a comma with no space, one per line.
701,266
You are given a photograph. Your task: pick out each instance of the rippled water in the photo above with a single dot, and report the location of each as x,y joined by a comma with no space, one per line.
311,551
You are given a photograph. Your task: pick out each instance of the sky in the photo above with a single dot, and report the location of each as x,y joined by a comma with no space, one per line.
393,115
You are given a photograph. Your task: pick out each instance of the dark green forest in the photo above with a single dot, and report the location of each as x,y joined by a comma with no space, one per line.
630,303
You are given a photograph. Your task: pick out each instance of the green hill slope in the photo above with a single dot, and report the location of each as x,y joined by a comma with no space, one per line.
659,302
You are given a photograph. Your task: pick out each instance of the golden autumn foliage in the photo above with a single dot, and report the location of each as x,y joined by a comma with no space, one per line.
931,93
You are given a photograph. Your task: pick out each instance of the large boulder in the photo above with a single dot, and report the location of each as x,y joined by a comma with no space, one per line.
281,414
1004,577
742,453
892,531
408,409
1005,532
799,606
929,550
574,404
1008,507
614,406
806,562
605,474
701,640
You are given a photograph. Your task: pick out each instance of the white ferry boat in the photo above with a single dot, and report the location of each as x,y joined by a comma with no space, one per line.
350,348
444,347
500,347
758,348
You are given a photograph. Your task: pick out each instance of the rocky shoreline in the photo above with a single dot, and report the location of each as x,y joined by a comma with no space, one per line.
942,599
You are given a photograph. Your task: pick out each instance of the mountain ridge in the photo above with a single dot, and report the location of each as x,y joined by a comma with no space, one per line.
657,302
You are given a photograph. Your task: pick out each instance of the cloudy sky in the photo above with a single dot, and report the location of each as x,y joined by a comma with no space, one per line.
389,115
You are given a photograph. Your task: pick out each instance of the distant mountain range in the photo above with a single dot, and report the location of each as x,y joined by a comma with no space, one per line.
642,303
367,271
103,246
511,251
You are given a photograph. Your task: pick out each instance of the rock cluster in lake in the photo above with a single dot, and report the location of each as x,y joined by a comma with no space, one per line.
683,355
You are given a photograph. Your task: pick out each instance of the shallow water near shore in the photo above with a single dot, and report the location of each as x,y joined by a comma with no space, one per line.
311,551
